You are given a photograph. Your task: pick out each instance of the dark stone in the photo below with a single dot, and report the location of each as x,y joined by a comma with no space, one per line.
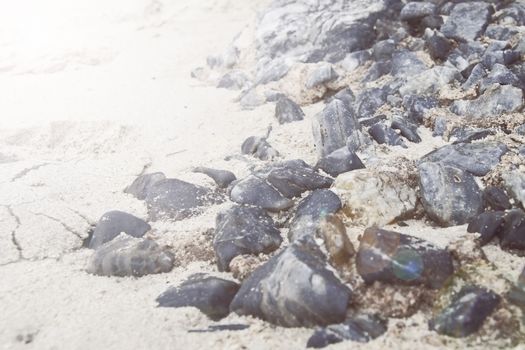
384,134
343,39
498,32
416,106
467,21
369,101
466,313
383,50
112,223
417,10
334,126
474,78
495,198
293,289
211,295
476,158
339,161
449,195
488,225
377,70
499,75
495,101
432,22
259,148
361,328
220,328
253,190
346,96
407,130
292,178
129,256
223,178
406,64
287,111
243,230
517,293
321,75
513,234
140,187
438,45
395,258
463,135
177,200
234,80
368,122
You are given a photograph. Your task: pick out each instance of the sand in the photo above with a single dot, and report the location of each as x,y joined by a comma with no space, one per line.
95,93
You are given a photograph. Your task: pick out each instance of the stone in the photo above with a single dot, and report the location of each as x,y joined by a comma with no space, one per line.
140,187
430,81
234,80
223,178
499,75
270,70
383,50
293,178
287,111
464,135
372,197
384,134
417,106
377,70
431,22
514,182
293,289
369,101
340,161
475,77
467,312
354,60
177,200
253,190
437,44
476,158
406,129
467,21
130,256
498,32
113,223
334,126
495,198
341,39
488,225
259,148
338,246
243,230
495,101
517,293
211,295
417,10
450,196
346,96
250,99
512,236
395,258
323,74
220,328
360,328
406,64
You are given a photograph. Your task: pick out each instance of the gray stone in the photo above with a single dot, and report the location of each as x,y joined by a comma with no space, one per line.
293,289
361,328
515,184
250,99
323,74
383,134
243,230
354,60
437,44
406,64
417,10
449,195
253,190
287,111
406,129
223,178
395,258
499,75
270,70
140,187
369,101
494,198
113,223
488,225
234,80
517,293
211,295
333,126
476,158
340,161
259,148
129,256
467,21
512,235
383,50
177,200
417,106
466,313
430,81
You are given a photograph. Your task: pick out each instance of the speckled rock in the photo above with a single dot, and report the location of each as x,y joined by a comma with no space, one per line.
396,258
177,200
211,295
430,81
495,198
293,289
495,101
449,195
515,184
488,225
361,328
243,230
466,313
406,129
223,178
512,235
324,73
113,223
287,111
383,134
129,256
467,21
417,10
340,161
259,148
140,187
372,198
253,190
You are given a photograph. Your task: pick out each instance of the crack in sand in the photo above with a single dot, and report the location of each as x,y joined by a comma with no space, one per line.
64,225
24,172
13,232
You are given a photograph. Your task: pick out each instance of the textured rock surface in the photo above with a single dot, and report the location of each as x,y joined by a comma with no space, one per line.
253,190
338,246
175,199
515,184
495,101
259,148
396,258
467,21
211,295
293,289
140,187
223,178
512,236
372,198
129,256
488,225
243,230
340,161
466,313
287,111
449,195
112,223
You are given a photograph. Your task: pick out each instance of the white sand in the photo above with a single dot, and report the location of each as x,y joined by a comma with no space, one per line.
93,92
